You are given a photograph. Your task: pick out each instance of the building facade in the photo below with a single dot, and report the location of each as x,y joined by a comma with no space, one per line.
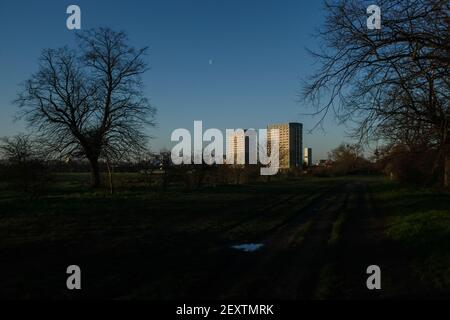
239,143
308,157
290,145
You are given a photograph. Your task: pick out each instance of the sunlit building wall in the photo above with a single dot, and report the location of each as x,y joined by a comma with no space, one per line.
290,145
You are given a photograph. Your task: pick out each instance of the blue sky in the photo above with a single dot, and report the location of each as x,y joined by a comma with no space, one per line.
257,49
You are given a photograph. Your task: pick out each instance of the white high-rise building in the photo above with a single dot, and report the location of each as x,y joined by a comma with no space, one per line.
307,157
239,145
291,144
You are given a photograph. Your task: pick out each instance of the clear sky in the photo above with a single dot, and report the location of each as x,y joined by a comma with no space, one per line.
229,63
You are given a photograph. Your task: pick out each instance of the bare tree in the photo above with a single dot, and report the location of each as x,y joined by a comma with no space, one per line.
89,102
393,82
17,149
26,167
348,159
148,163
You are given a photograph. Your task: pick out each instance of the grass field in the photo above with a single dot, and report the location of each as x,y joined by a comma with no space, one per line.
418,222
154,244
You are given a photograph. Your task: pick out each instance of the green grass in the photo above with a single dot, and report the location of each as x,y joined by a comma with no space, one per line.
71,207
336,231
328,279
136,233
418,222
143,232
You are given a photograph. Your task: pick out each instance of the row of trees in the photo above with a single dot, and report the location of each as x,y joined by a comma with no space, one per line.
393,84
27,165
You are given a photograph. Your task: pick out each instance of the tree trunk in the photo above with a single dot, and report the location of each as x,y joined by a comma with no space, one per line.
95,172
111,182
447,169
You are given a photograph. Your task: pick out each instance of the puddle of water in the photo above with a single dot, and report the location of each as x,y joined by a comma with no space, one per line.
248,247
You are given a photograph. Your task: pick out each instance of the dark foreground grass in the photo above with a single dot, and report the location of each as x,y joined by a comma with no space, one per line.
418,223
71,210
147,243
406,231
137,242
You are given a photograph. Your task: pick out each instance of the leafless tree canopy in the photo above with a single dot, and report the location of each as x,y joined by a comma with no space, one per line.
394,83
18,149
89,102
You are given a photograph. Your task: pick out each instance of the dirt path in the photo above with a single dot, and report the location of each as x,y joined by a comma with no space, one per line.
320,251
361,243
288,265
358,247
